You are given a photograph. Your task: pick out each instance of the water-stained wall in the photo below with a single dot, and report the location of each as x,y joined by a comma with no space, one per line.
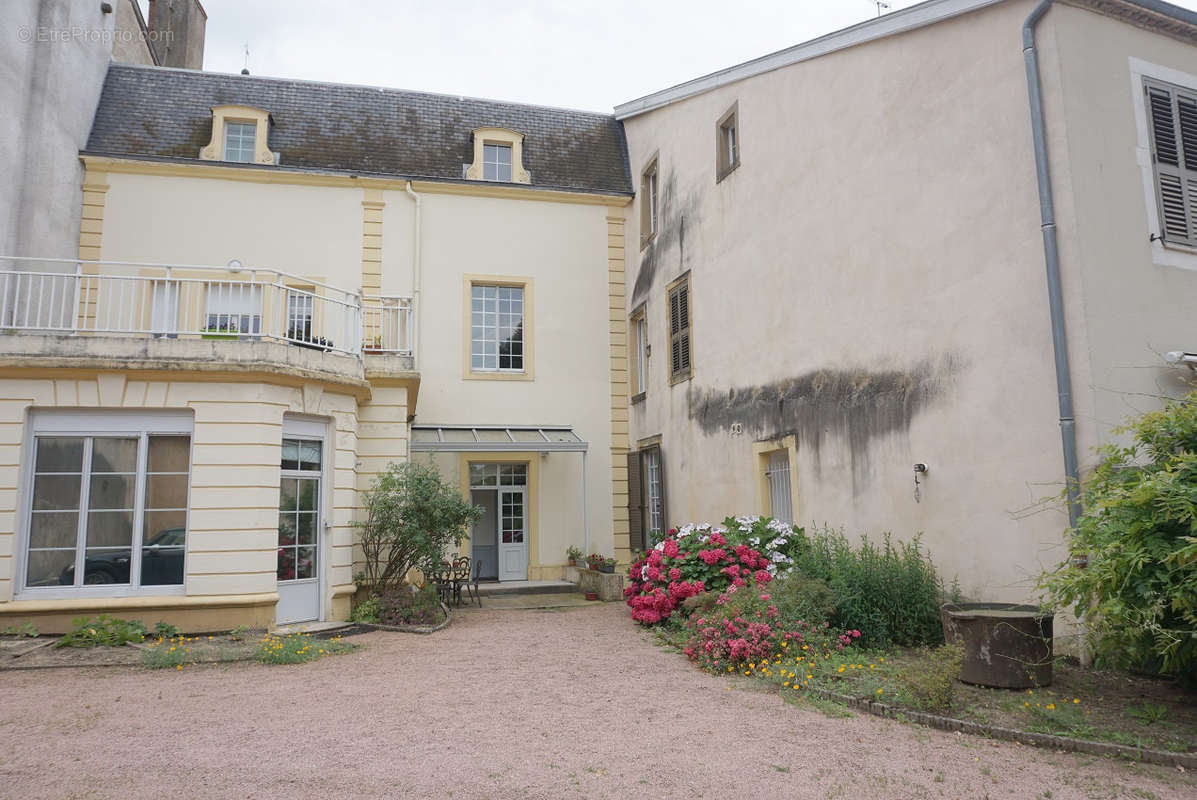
870,281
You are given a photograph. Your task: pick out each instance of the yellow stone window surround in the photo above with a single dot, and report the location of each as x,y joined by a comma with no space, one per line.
500,136
214,150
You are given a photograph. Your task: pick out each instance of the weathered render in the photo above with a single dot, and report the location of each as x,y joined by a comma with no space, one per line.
867,287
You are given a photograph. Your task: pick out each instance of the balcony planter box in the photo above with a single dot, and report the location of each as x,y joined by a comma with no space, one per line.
220,334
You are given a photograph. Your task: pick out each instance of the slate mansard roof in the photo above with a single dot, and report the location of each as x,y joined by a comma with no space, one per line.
163,113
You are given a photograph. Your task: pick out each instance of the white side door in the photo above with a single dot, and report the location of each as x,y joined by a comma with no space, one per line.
300,529
513,535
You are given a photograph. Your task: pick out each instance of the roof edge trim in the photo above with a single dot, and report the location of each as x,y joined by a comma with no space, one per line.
896,22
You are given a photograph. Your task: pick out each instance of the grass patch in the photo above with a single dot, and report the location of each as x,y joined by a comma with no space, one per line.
165,653
299,648
1098,705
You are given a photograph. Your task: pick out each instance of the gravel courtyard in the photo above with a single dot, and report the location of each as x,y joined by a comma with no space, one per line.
502,704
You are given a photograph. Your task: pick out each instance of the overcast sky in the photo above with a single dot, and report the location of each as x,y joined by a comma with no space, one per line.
572,53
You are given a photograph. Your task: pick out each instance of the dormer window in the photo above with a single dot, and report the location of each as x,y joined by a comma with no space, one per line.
496,162
498,157
239,142
239,135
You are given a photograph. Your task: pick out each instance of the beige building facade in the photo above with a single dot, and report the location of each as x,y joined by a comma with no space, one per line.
254,330
861,278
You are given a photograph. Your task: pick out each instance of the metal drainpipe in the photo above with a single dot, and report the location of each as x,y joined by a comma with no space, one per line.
1051,255
417,269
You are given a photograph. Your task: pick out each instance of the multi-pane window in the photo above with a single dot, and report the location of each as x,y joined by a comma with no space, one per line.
679,329
653,506
639,353
299,509
239,139
299,314
496,162
484,476
1172,113
649,219
108,510
496,328
234,307
727,144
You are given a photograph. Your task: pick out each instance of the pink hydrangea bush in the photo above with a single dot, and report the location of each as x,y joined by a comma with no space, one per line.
744,631
746,551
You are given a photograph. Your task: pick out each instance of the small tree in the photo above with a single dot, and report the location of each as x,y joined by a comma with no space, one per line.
1138,591
412,516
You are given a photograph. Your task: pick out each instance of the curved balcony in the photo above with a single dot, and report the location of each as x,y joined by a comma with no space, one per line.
139,314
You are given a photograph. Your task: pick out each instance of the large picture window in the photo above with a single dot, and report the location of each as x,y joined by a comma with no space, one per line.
497,328
108,510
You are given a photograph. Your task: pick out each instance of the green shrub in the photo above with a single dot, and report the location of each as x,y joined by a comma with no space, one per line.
408,605
164,630
102,631
297,648
367,610
412,517
1138,591
934,688
891,593
799,597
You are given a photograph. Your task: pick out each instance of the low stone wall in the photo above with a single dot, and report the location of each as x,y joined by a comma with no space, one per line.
608,585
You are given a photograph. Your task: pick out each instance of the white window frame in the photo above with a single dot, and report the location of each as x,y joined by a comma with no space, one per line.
493,168
640,351
231,300
235,128
474,341
139,423
654,524
1163,255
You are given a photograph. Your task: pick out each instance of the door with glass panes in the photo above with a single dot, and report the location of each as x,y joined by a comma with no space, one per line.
499,539
300,523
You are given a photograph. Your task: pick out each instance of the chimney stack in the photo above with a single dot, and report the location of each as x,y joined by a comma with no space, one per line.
177,32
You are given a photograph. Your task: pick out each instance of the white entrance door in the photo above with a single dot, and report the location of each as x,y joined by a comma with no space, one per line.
513,544
499,540
300,524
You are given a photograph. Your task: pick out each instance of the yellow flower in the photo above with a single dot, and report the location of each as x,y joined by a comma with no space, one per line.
1050,706
841,669
786,684
178,666
878,691
1029,691
1026,705
1076,700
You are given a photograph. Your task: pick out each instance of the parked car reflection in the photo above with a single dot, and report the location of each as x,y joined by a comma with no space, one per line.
161,563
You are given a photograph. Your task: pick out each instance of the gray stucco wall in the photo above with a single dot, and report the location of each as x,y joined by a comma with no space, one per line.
50,81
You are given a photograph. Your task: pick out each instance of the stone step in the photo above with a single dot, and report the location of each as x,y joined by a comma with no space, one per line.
525,587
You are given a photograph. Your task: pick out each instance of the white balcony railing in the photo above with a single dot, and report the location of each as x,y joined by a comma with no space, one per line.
197,302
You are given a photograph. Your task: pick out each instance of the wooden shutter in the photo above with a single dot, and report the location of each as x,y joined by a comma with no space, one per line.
635,504
679,329
1173,125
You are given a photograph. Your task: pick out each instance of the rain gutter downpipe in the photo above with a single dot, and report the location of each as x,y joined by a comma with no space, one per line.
417,269
1051,255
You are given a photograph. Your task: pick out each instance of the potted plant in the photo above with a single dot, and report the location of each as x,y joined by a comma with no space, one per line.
374,346
225,331
573,553
302,336
600,563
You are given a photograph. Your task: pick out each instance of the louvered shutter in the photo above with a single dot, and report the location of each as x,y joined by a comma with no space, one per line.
683,302
1173,125
635,504
679,329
